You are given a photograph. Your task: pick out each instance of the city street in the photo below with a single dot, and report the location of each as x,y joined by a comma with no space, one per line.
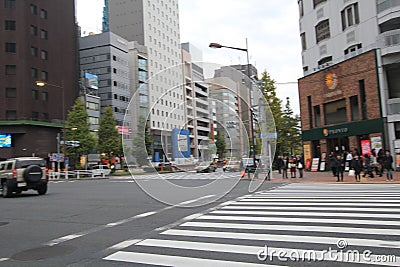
112,222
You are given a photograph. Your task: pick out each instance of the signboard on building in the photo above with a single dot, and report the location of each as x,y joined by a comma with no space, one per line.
123,130
315,164
5,140
376,143
365,147
180,143
91,81
307,156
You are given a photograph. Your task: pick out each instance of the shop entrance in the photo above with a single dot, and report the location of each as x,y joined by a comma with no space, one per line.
338,145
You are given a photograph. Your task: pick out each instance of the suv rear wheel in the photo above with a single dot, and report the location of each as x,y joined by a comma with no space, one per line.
6,189
42,189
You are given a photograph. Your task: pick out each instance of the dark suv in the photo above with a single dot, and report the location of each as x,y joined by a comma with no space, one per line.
22,174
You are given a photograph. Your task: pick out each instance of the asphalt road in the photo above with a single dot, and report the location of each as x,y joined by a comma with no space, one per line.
78,223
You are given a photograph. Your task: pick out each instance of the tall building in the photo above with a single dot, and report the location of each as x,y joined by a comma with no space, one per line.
155,24
38,43
106,56
197,102
350,45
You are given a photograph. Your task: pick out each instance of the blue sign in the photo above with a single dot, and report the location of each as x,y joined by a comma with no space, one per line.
92,81
5,140
180,143
66,160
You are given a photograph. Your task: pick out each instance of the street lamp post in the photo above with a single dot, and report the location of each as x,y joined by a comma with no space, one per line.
217,45
42,84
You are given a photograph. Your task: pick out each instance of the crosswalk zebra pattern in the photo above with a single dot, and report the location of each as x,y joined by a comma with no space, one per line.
188,176
294,225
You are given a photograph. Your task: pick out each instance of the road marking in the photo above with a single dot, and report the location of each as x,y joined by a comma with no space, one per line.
113,224
252,250
319,200
285,238
298,228
125,244
307,213
306,203
299,220
308,208
4,259
176,261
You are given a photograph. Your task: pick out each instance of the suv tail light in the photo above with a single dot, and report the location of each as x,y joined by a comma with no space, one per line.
14,174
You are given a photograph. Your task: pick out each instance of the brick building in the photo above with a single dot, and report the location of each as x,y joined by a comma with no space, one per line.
340,107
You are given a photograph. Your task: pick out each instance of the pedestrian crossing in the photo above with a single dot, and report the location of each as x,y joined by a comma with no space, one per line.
188,176
294,225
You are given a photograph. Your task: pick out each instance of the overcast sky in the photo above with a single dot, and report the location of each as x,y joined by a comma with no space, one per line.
270,26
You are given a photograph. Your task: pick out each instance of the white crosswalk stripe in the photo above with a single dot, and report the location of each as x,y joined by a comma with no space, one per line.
187,176
295,224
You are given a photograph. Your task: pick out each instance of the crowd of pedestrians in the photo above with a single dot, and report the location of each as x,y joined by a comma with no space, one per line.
369,164
293,164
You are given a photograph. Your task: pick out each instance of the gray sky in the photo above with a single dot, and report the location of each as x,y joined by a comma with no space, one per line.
270,26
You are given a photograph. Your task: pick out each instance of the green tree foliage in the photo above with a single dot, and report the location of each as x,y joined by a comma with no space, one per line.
110,141
142,142
220,144
77,129
291,127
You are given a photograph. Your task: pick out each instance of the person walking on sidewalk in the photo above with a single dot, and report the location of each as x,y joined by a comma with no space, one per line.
356,165
388,166
280,164
285,167
340,165
367,166
300,166
292,165
332,163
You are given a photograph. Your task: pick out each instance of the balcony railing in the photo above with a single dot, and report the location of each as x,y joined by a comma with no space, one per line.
387,4
390,42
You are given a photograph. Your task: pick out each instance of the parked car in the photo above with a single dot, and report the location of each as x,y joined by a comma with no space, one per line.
101,170
232,166
205,166
21,174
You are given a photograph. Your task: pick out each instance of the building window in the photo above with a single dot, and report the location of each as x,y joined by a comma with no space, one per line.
301,7
11,92
44,76
317,2
34,73
43,14
9,3
11,47
11,69
35,116
350,16
303,41
397,130
35,94
322,31
34,51
352,50
10,25
44,54
33,30
33,9
11,115
317,116
363,100
355,111
310,115
325,60
335,112
43,34
45,96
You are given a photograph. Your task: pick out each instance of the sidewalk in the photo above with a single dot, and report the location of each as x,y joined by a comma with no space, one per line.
327,177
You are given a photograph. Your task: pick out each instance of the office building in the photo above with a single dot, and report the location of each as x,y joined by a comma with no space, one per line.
106,56
155,24
349,92
197,102
38,43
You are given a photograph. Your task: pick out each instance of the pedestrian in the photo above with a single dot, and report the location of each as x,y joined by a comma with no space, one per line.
280,164
340,165
349,158
356,165
374,162
285,167
381,156
367,166
292,162
332,163
388,166
300,166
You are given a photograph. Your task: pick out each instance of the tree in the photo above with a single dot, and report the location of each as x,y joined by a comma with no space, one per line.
77,129
110,141
142,142
291,128
220,144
